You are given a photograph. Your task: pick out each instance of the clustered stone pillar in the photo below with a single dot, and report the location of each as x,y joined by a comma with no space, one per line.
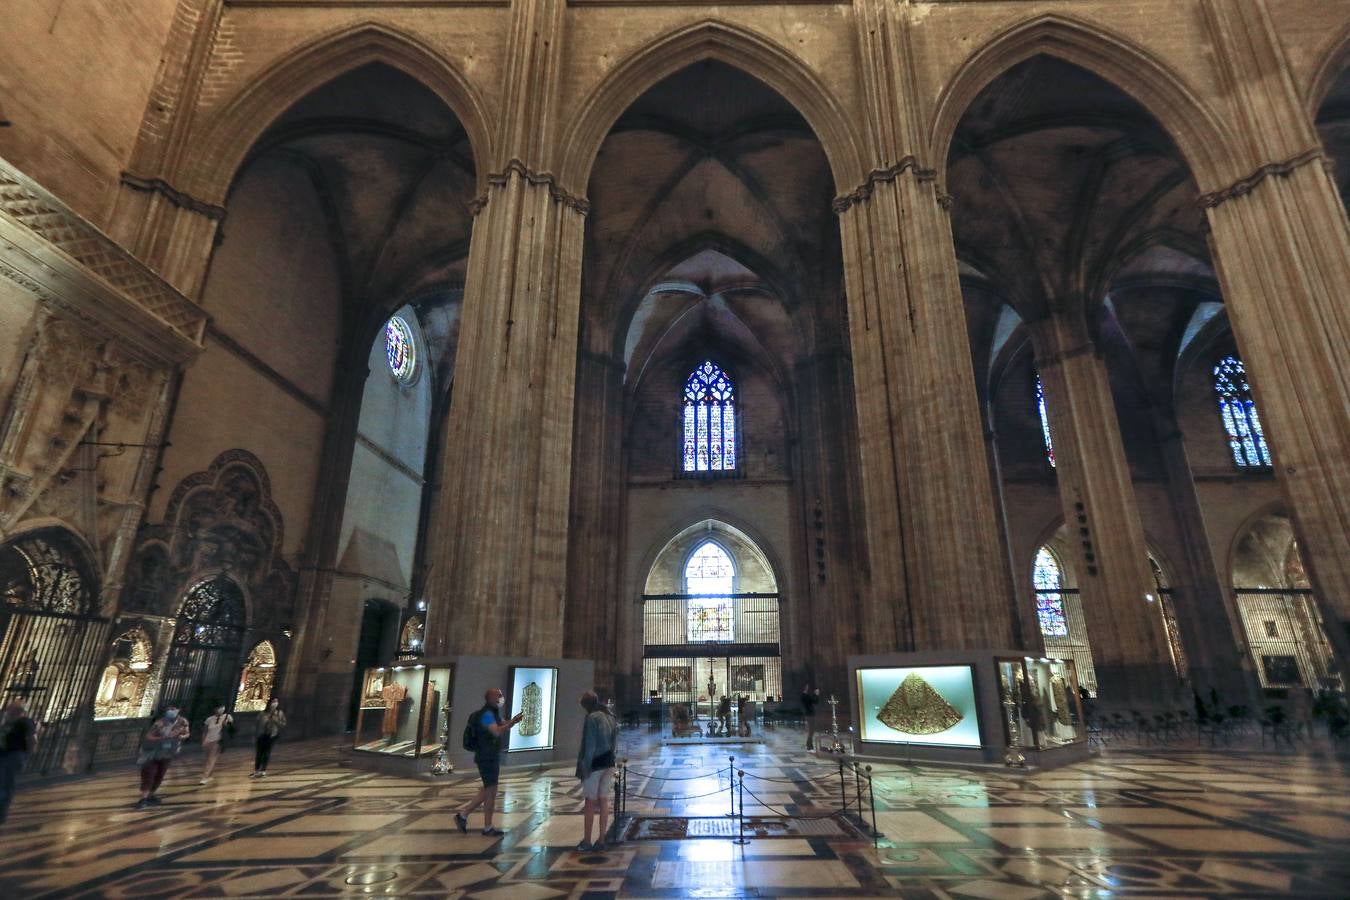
1120,602
497,551
1211,628
938,574
596,610
1283,254
1281,245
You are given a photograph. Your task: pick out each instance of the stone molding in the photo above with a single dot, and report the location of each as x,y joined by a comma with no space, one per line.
391,460
559,193
1244,186
49,250
253,361
863,192
180,199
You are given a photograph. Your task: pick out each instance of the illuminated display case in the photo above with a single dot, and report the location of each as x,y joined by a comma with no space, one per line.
1041,697
534,694
919,705
404,710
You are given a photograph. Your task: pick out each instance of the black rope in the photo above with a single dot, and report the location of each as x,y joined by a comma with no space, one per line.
688,797
717,774
787,815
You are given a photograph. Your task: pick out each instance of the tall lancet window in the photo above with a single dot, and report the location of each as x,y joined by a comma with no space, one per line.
708,577
709,421
1046,578
1045,421
1238,410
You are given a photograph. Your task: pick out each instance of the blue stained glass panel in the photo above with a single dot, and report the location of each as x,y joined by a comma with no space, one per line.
1045,421
1237,410
709,443
1045,577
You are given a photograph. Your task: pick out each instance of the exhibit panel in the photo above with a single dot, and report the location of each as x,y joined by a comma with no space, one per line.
534,694
919,705
955,706
1043,700
404,710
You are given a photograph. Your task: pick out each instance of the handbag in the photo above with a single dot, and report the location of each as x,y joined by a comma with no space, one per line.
603,761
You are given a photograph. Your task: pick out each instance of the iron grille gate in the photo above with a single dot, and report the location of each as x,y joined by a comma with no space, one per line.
51,642
204,657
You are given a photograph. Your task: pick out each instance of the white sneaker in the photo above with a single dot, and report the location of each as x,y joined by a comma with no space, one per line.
205,781
262,774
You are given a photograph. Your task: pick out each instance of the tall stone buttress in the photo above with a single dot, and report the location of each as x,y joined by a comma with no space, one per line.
938,575
1281,241
497,541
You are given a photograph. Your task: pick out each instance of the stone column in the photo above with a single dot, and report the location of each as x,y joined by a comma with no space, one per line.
824,611
938,573
1281,244
497,542
497,547
1125,628
1211,628
596,611
319,672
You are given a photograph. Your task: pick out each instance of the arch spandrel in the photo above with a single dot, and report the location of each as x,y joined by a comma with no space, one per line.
754,54
1209,149
224,139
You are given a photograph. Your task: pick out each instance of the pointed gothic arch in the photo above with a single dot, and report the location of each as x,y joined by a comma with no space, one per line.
224,139
1205,143
753,54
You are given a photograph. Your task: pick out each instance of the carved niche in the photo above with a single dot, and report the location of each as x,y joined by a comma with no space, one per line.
218,521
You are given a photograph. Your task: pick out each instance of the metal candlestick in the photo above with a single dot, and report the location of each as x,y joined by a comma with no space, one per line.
836,746
1013,756
442,765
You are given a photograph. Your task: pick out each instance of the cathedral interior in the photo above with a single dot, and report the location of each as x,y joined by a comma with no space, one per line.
726,348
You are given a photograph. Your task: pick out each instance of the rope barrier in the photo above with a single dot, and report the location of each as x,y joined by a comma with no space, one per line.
717,774
787,815
687,797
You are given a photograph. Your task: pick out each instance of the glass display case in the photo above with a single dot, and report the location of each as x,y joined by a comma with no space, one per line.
404,710
1041,697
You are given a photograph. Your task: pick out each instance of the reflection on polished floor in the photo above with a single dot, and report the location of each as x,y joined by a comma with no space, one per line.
1172,822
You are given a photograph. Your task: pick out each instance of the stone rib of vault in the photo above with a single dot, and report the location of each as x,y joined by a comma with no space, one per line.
916,708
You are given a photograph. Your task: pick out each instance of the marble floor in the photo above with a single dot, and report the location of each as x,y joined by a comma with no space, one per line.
1174,822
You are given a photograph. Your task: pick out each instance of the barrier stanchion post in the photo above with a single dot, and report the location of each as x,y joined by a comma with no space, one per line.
619,791
872,802
857,793
740,831
731,783
843,795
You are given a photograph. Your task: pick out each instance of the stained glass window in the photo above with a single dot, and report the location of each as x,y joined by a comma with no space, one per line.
1045,421
1238,411
399,348
709,421
710,575
1045,577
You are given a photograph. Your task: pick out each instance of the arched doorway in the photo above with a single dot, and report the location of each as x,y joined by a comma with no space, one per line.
710,619
51,636
1284,629
207,640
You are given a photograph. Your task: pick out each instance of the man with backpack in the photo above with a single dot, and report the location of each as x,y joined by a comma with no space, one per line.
483,735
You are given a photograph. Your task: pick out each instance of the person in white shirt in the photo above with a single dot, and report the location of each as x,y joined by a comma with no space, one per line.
216,725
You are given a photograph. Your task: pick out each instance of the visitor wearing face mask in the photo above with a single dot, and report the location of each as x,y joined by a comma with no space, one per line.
159,747
218,725
484,737
270,724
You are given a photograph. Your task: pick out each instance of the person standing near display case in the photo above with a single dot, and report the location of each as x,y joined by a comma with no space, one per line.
484,737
